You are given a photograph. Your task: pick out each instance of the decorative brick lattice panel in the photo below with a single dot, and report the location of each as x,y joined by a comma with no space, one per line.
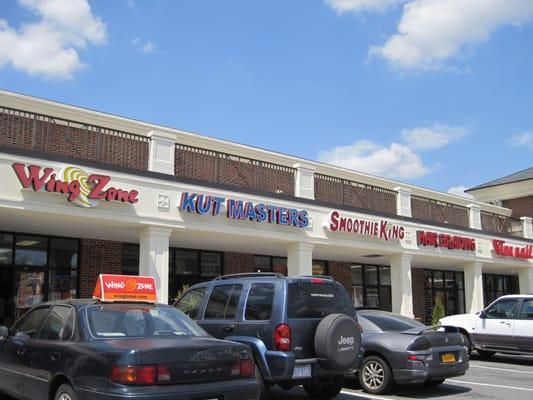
212,166
57,136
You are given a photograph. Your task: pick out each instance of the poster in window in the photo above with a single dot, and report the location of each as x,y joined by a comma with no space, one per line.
29,289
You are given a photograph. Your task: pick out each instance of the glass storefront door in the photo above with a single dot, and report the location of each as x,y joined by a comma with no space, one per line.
34,269
446,287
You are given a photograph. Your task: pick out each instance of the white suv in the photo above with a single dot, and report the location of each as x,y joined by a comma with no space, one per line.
505,326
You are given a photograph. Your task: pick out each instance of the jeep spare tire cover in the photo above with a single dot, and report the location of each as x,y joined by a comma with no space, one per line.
337,342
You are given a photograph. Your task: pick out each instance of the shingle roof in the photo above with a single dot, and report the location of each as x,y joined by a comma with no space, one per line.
516,177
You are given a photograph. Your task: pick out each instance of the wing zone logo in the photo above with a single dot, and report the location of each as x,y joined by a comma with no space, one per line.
83,189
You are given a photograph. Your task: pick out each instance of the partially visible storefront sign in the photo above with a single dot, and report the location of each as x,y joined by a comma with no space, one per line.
382,229
243,210
81,188
502,249
443,240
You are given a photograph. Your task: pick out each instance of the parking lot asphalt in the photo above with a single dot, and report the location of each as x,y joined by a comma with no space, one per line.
502,378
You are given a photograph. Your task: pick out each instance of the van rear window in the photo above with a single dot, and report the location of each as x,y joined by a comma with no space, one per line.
312,300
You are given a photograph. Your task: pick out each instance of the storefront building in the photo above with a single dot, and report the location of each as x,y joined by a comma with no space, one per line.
85,193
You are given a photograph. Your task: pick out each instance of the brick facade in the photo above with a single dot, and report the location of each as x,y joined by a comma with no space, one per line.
341,272
522,207
419,306
235,263
97,257
215,167
64,138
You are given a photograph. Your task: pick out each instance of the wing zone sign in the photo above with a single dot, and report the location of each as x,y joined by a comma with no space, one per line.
125,288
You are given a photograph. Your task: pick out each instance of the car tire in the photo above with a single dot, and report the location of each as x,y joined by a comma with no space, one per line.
65,392
324,389
486,354
375,375
435,382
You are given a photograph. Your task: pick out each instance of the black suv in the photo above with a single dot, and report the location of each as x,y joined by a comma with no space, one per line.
302,330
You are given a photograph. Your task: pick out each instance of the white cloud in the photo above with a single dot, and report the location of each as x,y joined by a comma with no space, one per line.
523,140
395,161
49,47
144,46
432,137
432,31
344,6
460,191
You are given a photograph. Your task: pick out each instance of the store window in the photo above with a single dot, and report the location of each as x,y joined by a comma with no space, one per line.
262,264
320,267
6,248
372,286
448,288
130,259
31,250
189,267
34,269
495,286
270,264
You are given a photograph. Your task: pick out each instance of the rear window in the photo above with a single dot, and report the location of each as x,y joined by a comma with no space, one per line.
391,323
130,320
316,300
259,303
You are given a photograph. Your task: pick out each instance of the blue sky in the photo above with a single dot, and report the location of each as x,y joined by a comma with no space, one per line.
431,92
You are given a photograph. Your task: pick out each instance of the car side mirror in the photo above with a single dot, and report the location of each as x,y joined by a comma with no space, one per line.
483,314
4,332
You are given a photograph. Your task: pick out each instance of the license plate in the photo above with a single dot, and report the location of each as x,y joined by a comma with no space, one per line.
448,358
302,371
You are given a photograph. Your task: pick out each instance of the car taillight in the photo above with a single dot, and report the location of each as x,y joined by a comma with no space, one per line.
319,281
243,368
282,337
140,375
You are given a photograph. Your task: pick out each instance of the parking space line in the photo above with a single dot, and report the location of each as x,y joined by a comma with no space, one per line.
489,385
364,395
502,369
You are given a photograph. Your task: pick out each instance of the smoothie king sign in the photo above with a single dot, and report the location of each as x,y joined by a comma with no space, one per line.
81,188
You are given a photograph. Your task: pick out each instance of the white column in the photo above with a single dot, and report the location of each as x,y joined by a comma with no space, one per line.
403,201
527,227
162,152
474,214
474,286
304,182
402,287
525,276
300,259
154,258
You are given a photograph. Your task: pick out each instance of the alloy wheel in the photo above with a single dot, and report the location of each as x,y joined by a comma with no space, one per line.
64,396
373,375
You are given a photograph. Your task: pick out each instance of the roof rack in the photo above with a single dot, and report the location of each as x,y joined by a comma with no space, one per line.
250,275
315,276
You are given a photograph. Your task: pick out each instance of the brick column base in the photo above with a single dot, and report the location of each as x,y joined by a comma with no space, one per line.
340,271
236,263
97,257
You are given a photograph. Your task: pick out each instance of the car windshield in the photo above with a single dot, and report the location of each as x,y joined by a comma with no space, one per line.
389,322
312,300
139,320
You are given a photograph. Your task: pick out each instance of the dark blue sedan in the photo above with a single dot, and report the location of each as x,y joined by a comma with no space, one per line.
87,350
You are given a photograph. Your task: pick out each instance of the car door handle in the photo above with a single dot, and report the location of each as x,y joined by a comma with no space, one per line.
55,356
228,328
